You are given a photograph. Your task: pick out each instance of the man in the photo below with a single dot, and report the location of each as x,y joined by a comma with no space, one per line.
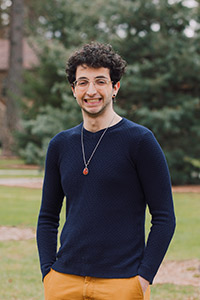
109,169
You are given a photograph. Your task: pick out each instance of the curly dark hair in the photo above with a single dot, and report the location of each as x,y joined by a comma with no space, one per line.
96,55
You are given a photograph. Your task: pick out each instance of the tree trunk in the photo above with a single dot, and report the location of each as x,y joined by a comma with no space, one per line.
15,77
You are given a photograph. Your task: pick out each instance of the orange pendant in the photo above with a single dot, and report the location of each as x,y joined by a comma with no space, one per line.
85,171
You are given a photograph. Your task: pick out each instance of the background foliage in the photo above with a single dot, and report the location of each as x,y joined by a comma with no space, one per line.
160,41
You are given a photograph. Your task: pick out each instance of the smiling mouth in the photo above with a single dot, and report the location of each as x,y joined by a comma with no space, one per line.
92,100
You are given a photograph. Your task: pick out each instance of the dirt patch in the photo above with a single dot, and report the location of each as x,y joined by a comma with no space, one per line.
16,234
185,272
35,183
186,189
23,167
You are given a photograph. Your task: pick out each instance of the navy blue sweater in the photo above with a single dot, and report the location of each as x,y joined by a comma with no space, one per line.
104,234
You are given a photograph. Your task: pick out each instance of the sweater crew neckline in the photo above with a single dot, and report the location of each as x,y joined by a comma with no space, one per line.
96,133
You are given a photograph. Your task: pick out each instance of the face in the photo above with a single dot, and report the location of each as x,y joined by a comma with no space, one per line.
94,100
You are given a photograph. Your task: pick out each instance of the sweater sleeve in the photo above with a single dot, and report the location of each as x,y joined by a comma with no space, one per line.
48,220
155,180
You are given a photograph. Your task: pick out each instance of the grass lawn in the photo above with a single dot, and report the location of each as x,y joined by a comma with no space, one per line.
18,173
186,240
174,292
19,206
20,274
16,168
9,163
21,279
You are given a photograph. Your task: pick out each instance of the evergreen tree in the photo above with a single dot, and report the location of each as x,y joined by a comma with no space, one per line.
160,89
162,85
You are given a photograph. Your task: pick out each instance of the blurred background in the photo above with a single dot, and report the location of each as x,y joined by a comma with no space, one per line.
160,40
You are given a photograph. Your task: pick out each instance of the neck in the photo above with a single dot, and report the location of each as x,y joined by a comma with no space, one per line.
95,124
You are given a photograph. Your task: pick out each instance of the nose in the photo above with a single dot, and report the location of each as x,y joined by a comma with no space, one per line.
91,89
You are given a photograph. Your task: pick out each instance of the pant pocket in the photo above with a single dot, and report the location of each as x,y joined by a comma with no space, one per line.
47,284
46,278
139,284
136,289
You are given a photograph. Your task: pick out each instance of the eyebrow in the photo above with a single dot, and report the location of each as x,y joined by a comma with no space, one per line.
100,76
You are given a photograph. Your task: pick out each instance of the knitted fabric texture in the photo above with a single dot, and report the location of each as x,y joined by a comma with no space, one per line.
104,232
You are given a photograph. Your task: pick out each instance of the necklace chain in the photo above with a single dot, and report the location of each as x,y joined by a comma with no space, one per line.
85,171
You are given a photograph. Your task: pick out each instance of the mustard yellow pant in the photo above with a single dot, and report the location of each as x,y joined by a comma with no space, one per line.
59,286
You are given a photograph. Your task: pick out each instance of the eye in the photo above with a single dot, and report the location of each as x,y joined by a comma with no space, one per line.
82,83
100,82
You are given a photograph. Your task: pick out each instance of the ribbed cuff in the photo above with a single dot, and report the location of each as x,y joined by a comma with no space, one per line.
146,273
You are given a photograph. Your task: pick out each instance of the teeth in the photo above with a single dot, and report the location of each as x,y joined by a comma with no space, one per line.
93,100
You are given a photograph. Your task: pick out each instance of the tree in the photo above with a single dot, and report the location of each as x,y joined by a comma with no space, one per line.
161,86
15,77
49,106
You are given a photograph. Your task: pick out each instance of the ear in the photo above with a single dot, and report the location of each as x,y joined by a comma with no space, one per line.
116,88
73,91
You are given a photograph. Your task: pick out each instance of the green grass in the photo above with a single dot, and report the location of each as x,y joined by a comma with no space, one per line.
21,278
19,206
9,163
174,292
186,240
20,274
16,168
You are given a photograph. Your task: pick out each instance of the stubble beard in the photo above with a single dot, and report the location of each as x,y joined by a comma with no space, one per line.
98,113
